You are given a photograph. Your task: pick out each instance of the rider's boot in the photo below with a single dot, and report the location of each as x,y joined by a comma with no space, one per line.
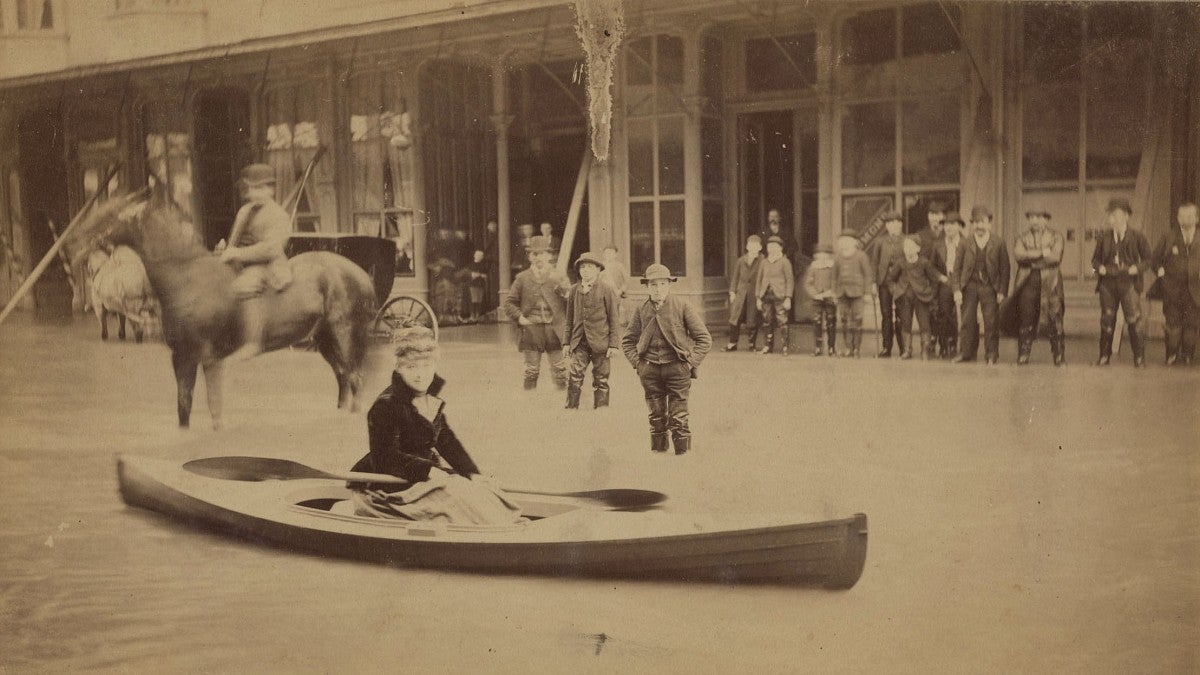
253,322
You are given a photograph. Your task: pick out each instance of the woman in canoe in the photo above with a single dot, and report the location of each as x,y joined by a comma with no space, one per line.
411,439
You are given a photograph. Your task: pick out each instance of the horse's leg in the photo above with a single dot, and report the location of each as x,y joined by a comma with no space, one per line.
121,329
102,314
213,368
139,331
185,379
327,341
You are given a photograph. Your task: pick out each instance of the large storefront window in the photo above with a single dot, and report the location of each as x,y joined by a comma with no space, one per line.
1085,115
382,161
292,141
899,74
654,130
168,151
781,63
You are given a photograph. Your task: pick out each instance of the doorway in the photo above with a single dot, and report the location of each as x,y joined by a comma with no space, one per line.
222,138
778,169
44,201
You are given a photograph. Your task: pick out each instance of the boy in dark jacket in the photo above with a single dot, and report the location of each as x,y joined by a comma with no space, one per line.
852,281
818,283
537,302
665,342
742,286
773,293
591,331
886,253
914,284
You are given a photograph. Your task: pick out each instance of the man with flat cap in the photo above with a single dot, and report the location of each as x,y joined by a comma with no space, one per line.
666,341
1177,264
592,331
1038,292
256,244
1122,256
981,286
537,302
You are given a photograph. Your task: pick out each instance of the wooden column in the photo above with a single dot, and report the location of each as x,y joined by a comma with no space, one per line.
501,121
693,205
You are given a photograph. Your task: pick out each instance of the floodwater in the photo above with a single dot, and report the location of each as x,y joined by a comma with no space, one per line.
1033,519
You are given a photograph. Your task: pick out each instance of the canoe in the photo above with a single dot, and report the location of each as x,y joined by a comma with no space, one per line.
561,536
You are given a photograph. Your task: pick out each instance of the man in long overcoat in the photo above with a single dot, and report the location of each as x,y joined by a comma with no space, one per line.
1037,297
1177,264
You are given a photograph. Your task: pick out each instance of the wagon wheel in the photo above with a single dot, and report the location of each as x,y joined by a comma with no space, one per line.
402,311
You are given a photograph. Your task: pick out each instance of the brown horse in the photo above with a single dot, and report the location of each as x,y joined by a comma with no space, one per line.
330,299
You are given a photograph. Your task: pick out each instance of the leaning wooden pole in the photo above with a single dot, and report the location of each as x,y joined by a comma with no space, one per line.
568,240
54,248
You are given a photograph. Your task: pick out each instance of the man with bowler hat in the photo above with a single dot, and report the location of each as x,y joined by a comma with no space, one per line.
1122,255
256,244
1177,264
665,342
537,302
981,286
592,331
947,260
1038,291
887,252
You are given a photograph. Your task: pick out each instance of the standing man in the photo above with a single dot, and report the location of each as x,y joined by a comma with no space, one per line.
256,243
537,302
982,284
928,237
947,260
1038,291
888,252
520,253
775,229
1122,255
547,232
666,342
1177,264
592,331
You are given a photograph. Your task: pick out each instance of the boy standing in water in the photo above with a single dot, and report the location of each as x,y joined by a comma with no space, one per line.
537,302
591,331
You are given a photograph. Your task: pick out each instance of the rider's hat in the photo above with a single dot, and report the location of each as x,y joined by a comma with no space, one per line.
256,175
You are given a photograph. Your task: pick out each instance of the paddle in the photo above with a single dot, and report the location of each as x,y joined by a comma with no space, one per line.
268,468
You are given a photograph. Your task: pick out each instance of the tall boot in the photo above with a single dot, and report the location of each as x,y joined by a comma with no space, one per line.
928,347
847,341
856,338
253,315
818,336
783,335
904,342
831,334
1024,345
1058,346
600,399
573,391
1173,336
735,333
751,338
1106,340
530,382
677,420
768,342
1138,346
659,441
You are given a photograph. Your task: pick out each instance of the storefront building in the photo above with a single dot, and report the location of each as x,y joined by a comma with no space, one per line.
438,119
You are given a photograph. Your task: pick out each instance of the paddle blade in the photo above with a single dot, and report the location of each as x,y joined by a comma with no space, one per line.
252,469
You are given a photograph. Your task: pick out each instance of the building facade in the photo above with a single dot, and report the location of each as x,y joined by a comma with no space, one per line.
445,117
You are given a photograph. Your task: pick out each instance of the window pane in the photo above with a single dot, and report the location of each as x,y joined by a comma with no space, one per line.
1117,71
637,61
641,157
671,236
1051,132
641,236
712,161
930,140
916,208
714,238
768,67
926,30
1052,35
869,37
710,64
869,145
670,60
860,211
670,155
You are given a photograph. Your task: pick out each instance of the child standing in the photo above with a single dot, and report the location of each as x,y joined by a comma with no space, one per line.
742,288
818,283
852,281
537,302
914,284
773,294
591,331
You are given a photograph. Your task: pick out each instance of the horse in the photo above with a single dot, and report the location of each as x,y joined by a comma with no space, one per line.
331,299
118,284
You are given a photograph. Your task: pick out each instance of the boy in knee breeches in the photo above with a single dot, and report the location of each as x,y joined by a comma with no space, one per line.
773,294
852,282
592,317
537,302
818,283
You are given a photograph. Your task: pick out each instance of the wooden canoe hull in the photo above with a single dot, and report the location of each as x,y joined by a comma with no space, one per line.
562,540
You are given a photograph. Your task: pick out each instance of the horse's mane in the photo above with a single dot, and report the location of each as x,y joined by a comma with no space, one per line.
156,227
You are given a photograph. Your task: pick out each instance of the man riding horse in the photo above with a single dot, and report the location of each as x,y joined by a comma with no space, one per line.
256,243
